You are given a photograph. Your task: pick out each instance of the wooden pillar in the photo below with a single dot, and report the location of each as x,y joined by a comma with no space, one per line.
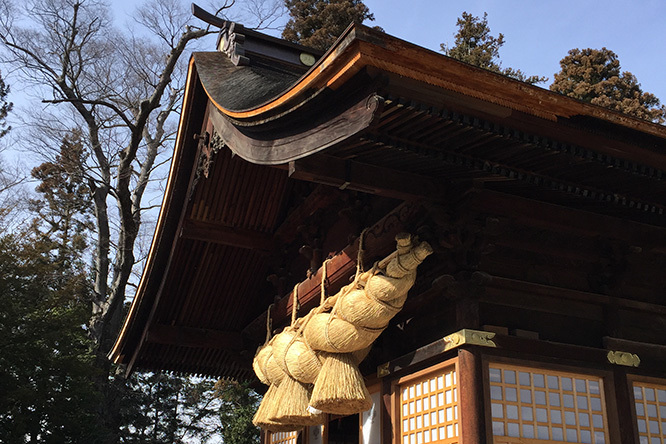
472,399
388,412
467,313
624,400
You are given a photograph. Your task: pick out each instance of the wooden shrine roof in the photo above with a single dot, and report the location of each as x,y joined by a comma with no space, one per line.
374,114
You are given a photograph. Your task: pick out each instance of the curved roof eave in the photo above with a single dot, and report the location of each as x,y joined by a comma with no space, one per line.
132,331
360,47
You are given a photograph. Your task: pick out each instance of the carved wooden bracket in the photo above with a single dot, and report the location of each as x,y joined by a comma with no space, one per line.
612,266
464,236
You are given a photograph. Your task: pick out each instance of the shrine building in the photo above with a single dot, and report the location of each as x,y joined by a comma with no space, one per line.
539,316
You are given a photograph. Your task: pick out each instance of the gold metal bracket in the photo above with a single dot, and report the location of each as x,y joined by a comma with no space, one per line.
383,370
454,340
623,358
469,337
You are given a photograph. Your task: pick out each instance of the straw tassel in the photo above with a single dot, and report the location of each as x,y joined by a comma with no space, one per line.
340,388
291,396
293,402
267,408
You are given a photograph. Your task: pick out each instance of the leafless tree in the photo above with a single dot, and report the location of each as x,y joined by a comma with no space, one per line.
122,89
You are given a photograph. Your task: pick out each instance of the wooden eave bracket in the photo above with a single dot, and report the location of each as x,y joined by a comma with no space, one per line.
449,342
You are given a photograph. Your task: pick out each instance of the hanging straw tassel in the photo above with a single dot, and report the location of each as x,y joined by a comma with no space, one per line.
267,409
269,372
259,361
340,388
294,398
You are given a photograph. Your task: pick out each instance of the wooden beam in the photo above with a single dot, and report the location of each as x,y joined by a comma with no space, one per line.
642,349
622,415
555,217
516,287
371,179
225,235
195,337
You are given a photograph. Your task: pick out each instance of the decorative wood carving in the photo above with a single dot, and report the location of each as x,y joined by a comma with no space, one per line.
207,148
379,241
609,271
463,236
208,151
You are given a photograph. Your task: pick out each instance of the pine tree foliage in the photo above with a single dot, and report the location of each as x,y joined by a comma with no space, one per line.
64,211
47,394
159,408
239,403
318,23
5,107
595,76
475,45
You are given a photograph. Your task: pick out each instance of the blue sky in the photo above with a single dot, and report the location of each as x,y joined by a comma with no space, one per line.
539,33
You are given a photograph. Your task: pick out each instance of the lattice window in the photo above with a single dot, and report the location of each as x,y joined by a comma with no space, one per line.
429,408
650,401
284,437
535,405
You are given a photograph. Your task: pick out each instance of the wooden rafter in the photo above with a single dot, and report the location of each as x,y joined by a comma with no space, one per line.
194,337
224,235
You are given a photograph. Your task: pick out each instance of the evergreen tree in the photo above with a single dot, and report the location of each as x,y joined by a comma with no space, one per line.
46,359
238,405
5,107
594,76
475,45
64,211
318,23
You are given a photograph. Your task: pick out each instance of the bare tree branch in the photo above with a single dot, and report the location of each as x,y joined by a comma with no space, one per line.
111,106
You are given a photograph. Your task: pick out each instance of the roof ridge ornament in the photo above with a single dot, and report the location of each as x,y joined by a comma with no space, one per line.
232,35
231,41
242,44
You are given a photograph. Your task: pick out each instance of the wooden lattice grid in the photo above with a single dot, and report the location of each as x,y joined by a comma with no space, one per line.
531,405
429,408
650,403
284,437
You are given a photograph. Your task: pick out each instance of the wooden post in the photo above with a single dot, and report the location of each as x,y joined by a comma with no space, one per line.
387,412
472,399
624,406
